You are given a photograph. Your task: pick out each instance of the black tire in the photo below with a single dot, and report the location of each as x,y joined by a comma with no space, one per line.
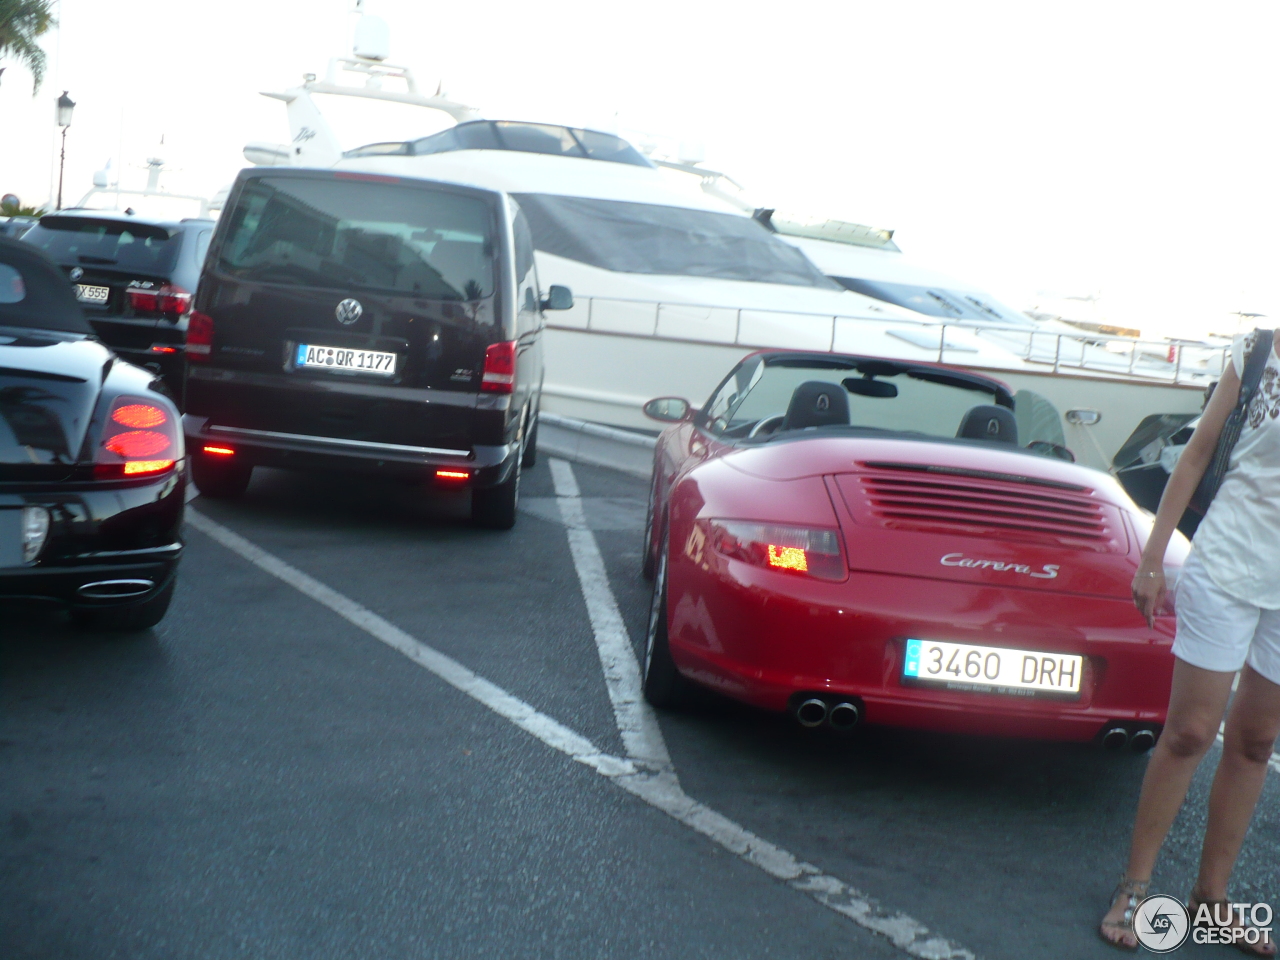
494,508
661,682
218,480
649,561
126,616
530,457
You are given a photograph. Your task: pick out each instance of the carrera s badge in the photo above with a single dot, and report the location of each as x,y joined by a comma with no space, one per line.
1047,572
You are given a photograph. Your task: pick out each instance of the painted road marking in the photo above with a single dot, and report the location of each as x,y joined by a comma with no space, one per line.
637,724
660,790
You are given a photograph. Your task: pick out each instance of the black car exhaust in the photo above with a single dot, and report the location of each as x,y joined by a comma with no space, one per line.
115,589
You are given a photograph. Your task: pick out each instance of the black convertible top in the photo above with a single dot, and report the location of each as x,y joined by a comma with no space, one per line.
41,297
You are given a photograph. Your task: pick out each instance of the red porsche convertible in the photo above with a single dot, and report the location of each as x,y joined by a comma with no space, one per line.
860,539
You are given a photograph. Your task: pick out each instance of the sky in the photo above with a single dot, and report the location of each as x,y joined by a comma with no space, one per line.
1121,150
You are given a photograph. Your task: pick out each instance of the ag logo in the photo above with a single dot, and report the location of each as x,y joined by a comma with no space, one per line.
76,273
348,311
1161,924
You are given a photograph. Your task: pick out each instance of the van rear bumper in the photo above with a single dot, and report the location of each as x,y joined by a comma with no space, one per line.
488,465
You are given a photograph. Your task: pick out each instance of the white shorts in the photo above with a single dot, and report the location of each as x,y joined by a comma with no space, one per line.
1219,632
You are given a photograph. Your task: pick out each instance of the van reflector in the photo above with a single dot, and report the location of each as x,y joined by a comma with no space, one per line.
499,368
199,336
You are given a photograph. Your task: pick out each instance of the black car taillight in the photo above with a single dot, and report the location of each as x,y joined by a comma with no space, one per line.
199,336
169,301
140,439
499,368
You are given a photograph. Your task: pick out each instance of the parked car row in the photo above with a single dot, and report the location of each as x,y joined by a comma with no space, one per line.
847,538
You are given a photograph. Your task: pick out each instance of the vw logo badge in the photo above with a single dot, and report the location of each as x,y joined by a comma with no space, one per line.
348,311
76,273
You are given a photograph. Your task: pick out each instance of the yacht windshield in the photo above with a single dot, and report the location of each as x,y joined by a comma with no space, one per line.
526,138
938,302
676,241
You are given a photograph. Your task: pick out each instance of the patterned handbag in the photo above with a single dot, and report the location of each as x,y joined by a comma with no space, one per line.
1254,364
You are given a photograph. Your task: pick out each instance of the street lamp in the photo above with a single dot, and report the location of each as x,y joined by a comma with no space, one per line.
65,106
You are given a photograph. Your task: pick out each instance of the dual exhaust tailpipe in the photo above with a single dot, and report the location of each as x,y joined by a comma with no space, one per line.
840,715
1117,736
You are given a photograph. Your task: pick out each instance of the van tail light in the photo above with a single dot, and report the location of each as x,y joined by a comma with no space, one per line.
171,301
140,439
803,551
199,336
499,368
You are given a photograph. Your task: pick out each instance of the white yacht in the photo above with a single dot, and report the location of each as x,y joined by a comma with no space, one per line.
676,275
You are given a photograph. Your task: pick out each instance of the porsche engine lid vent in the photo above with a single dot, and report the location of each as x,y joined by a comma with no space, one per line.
989,505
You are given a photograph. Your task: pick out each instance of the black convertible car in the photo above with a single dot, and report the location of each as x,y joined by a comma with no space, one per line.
91,459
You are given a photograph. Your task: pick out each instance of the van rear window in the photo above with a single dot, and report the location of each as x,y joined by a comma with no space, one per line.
343,234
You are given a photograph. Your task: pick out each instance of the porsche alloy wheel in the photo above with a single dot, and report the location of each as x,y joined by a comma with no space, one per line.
663,686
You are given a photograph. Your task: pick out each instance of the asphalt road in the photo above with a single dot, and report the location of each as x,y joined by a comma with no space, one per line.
259,777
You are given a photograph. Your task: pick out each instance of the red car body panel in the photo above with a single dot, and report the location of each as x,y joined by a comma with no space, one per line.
1053,547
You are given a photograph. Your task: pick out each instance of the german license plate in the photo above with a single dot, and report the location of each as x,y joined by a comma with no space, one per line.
90,294
315,357
965,666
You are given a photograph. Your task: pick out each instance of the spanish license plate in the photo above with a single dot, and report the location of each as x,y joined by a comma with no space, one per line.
90,294
965,666
313,356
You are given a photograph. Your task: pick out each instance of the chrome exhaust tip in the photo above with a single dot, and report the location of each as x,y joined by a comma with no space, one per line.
1142,740
812,712
115,589
844,716
1115,739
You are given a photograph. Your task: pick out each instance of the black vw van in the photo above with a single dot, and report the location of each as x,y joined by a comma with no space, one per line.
355,321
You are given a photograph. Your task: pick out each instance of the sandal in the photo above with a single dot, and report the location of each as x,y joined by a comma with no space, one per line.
1133,891
1257,949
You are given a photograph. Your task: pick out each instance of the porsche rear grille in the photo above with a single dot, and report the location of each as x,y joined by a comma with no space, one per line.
947,504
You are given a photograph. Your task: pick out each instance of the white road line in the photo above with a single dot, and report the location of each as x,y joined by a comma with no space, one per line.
637,724
660,790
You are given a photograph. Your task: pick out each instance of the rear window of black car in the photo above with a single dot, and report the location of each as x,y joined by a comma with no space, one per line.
347,233
119,244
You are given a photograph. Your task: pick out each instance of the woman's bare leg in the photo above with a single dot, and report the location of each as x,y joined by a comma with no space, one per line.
1248,740
1196,704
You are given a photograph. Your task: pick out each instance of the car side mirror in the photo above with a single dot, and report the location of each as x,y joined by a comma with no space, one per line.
668,409
558,298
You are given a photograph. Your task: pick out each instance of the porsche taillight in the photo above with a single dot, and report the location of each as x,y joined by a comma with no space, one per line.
140,439
199,336
804,551
499,368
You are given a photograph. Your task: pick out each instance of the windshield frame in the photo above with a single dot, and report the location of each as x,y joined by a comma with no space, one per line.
996,392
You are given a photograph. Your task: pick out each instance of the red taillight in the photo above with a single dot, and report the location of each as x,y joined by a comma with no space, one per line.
813,552
499,368
170,300
220,451
140,438
199,336
453,476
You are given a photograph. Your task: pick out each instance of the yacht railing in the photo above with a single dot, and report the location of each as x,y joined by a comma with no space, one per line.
946,341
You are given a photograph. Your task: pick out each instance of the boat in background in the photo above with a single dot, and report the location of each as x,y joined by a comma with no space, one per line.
677,274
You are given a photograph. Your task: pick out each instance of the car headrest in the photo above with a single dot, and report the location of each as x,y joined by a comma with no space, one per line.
986,422
817,404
